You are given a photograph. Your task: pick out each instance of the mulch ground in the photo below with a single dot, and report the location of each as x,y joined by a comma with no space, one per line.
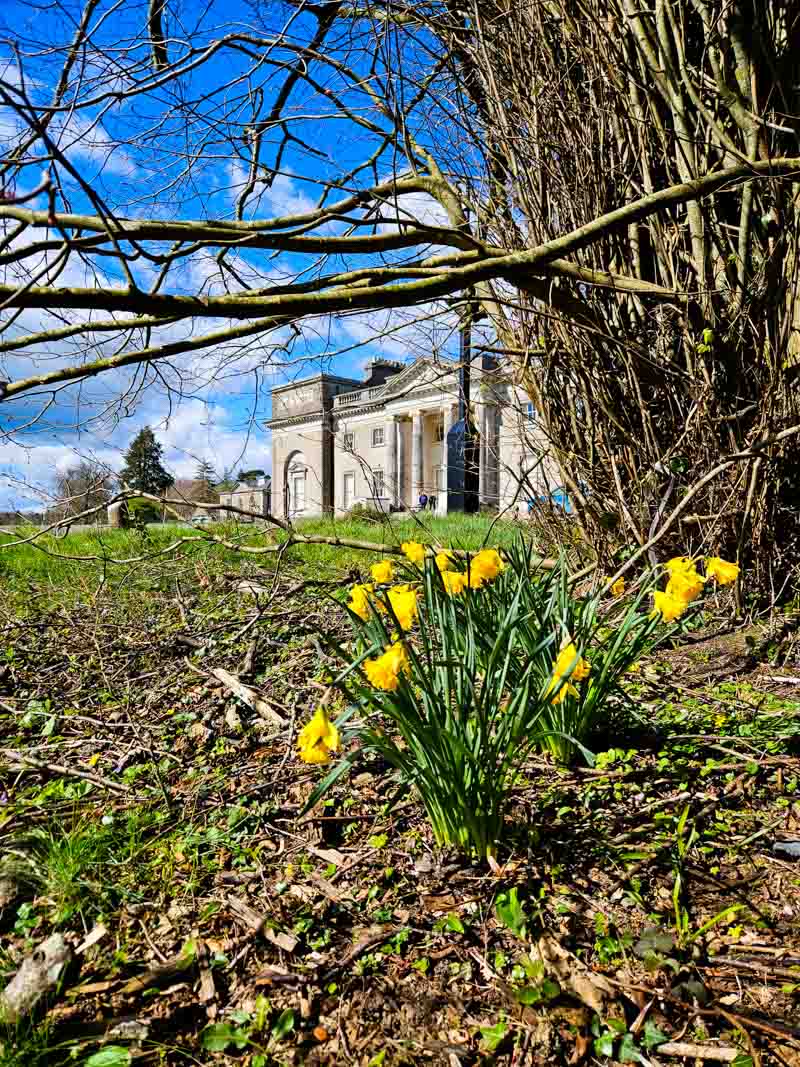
644,911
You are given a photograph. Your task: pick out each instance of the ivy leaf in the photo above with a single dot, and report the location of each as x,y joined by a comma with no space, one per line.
604,1045
218,1036
110,1056
653,1036
455,924
493,1035
628,1052
284,1025
510,912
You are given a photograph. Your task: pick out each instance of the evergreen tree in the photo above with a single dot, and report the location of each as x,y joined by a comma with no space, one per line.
143,469
205,481
250,475
227,482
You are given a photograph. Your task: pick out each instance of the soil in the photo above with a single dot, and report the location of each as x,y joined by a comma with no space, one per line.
637,906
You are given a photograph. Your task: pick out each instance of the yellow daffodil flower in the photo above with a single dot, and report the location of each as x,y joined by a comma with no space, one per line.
721,570
413,551
444,561
454,582
685,585
568,665
382,572
618,588
384,671
680,564
359,602
485,566
403,600
667,606
318,738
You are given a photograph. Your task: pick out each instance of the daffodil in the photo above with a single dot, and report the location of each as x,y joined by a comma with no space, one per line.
680,564
359,602
382,572
403,601
318,738
413,551
685,585
487,564
721,570
669,607
454,582
384,671
568,665
444,561
618,588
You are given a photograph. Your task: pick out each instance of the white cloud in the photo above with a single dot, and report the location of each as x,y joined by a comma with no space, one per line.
195,431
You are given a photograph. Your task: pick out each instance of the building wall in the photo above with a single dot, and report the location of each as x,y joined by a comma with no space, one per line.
297,449
361,460
254,498
523,451
318,446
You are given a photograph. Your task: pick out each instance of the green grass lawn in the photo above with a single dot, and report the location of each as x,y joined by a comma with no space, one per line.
149,558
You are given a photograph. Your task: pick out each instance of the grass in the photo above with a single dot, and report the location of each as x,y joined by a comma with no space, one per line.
57,564
93,679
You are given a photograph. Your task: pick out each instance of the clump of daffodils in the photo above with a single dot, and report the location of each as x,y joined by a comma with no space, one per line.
457,673
685,584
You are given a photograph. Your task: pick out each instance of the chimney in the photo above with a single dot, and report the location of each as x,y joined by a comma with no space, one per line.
380,370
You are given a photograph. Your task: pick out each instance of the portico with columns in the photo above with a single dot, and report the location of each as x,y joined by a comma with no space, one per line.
387,441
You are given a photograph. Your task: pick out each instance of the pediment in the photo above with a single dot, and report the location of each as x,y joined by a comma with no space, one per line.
424,373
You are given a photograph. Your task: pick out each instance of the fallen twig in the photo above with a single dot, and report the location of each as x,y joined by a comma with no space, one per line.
249,696
19,761
720,1053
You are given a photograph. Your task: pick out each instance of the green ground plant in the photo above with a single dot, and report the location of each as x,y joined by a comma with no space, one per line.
506,658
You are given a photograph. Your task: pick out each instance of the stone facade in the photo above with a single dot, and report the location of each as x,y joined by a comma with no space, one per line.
248,496
337,442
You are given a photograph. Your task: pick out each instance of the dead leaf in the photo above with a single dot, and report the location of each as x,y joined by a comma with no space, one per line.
574,977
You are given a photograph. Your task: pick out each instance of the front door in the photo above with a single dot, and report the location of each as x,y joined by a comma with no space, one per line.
349,491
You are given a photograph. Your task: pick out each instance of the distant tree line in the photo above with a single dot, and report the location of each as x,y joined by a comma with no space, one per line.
89,484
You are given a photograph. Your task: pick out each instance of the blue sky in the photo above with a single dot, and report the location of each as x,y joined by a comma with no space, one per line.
220,413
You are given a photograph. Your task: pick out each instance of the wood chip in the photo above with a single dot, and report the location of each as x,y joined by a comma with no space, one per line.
38,975
256,923
92,938
719,1053
250,697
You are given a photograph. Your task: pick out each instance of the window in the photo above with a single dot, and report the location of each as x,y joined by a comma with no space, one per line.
377,436
349,491
530,413
438,435
298,502
349,442
378,487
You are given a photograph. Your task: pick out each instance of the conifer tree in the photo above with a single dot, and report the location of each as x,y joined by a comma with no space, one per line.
143,469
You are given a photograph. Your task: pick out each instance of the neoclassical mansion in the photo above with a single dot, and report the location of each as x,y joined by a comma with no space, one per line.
338,442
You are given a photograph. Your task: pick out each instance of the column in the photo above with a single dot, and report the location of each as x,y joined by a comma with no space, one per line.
402,463
416,458
483,455
489,460
390,469
449,418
